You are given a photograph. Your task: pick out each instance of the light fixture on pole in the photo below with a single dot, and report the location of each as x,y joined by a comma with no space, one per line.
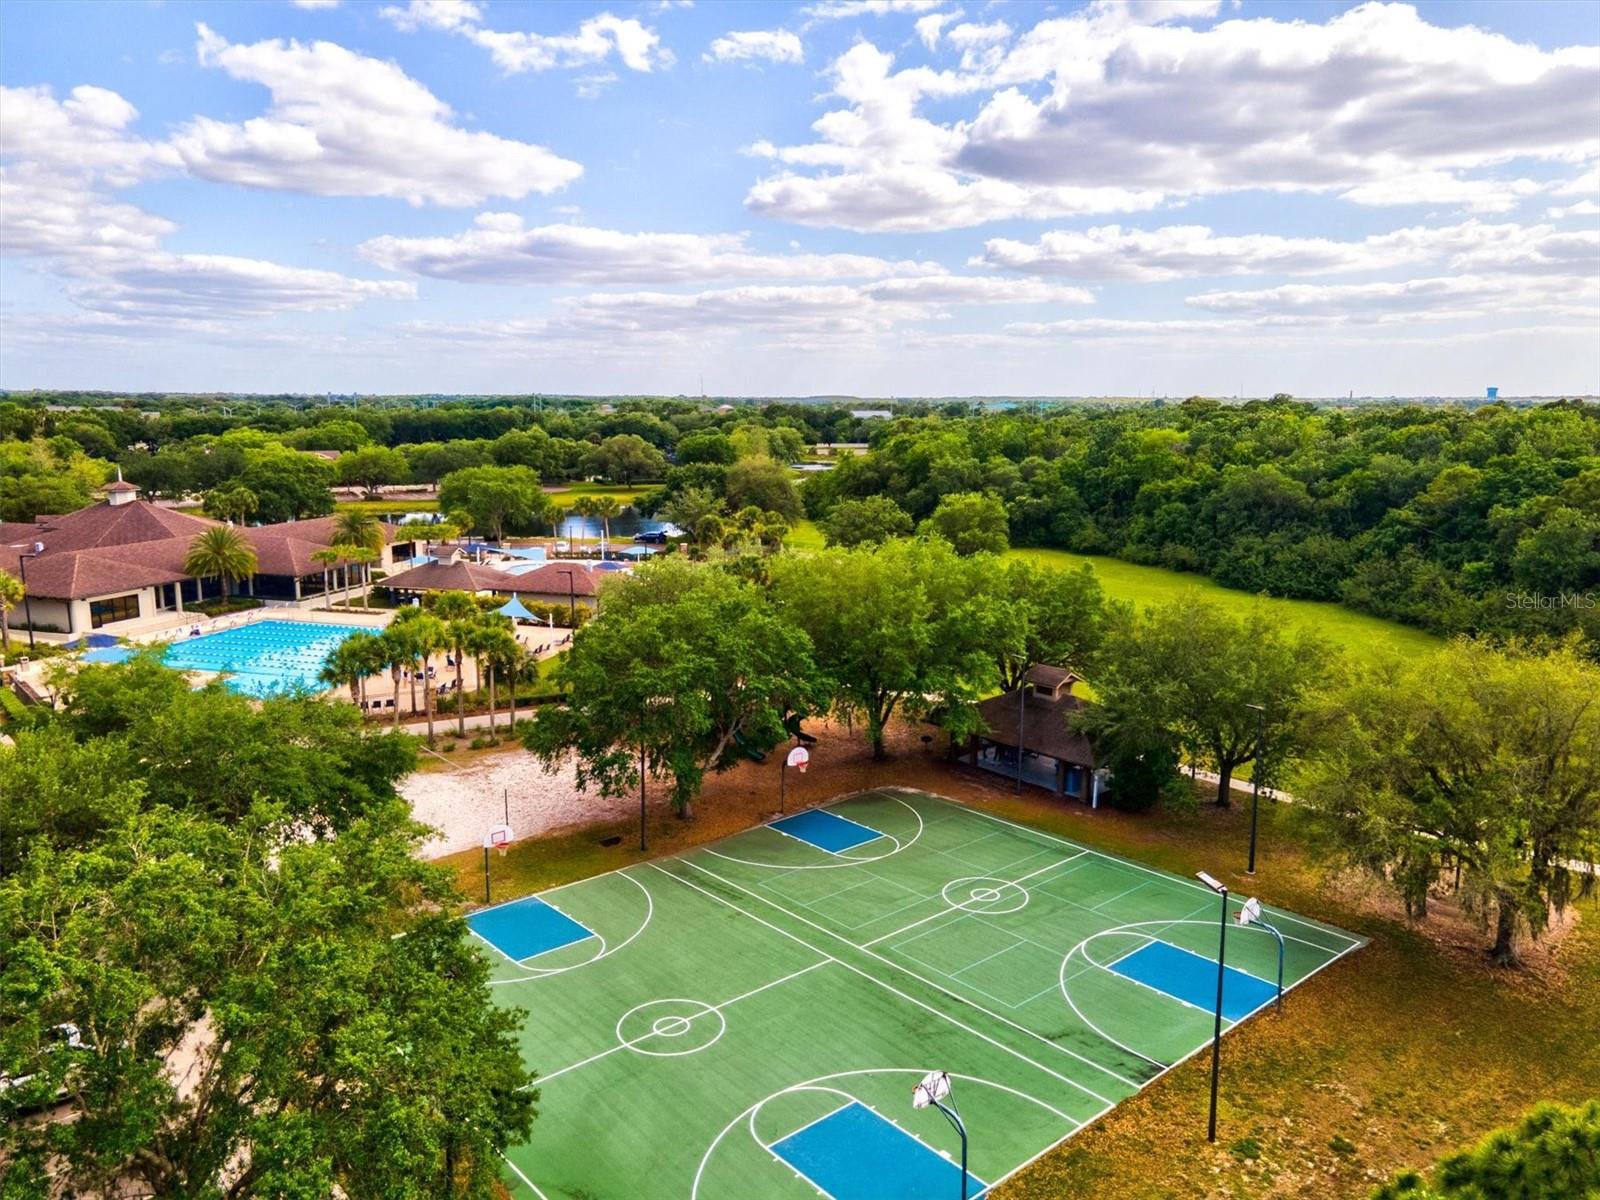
1221,889
1255,786
934,1089
572,596
27,603
1250,914
796,758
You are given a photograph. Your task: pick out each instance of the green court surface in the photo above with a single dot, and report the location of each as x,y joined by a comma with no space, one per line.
747,1020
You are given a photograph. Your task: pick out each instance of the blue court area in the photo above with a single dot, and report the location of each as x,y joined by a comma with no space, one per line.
826,831
1192,978
854,1154
526,928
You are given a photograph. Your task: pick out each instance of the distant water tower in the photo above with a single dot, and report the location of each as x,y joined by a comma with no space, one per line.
1493,393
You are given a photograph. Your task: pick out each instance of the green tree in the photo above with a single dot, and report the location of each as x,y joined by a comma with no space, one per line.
599,508
352,662
1477,767
707,446
420,635
972,522
353,527
763,484
459,612
222,552
626,458
371,467
866,522
689,507
1063,617
10,597
686,661
908,627
327,557
230,503
496,648
1191,672
318,991
289,485
492,497
1553,1153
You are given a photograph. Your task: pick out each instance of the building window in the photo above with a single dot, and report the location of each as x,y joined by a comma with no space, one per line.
113,608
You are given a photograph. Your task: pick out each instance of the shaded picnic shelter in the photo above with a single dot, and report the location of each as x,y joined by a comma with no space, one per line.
1033,720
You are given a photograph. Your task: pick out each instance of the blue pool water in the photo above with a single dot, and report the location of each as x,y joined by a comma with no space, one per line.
265,658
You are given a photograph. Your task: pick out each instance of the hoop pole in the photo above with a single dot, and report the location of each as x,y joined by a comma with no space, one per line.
955,1119
1216,1034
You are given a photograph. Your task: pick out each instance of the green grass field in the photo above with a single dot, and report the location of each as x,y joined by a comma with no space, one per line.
747,1019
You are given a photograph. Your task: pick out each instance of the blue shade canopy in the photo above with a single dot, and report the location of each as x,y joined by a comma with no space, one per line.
92,641
532,553
515,609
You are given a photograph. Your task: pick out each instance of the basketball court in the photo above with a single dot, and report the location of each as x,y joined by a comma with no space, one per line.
750,1019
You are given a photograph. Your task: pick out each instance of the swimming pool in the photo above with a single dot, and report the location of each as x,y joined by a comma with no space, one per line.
265,658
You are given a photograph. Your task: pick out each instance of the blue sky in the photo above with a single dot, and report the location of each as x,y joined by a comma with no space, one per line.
877,197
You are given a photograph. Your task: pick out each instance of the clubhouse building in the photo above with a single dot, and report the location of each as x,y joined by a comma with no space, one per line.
120,562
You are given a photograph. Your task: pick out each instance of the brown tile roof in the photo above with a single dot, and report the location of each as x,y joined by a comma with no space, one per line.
1044,726
113,525
551,580
454,577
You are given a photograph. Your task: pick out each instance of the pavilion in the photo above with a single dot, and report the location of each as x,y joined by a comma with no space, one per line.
1034,717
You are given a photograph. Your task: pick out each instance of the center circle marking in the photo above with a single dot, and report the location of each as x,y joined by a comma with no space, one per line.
642,1027
983,894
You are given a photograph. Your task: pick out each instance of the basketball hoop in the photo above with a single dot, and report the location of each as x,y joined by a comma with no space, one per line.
933,1087
1249,912
798,758
498,838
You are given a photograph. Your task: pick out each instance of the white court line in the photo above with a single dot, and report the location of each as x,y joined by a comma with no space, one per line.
889,987
954,995
523,1177
816,1121
950,908
876,834
716,1008
535,973
1124,862
1142,884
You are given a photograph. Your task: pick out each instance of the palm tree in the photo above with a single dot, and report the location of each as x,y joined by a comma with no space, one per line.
351,661
356,528
604,508
421,635
513,664
500,649
221,551
10,597
459,612
392,653
327,558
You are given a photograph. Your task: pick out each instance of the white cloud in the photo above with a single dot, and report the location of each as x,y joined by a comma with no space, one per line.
1583,208
61,156
1437,298
1105,109
445,15
930,27
838,10
332,130
595,40
773,45
1186,251
499,249
967,35
315,4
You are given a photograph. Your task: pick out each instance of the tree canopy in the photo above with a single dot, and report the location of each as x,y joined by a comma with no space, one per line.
1476,768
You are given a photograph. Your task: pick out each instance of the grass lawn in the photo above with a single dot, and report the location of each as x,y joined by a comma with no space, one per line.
1361,635
391,504
565,493
1411,1047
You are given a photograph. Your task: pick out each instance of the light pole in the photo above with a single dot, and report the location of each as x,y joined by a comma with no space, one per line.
1255,786
1250,914
1216,1033
1022,717
572,596
934,1089
27,602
